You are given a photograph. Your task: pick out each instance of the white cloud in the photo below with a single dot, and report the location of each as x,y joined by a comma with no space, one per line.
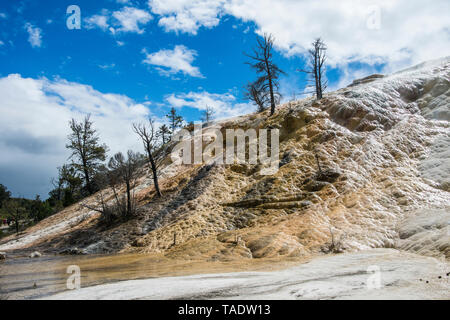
170,62
187,15
107,66
409,31
1,43
98,20
127,19
34,126
3,15
130,19
224,105
34,35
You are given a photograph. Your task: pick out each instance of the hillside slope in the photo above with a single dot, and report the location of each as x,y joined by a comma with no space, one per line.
383,144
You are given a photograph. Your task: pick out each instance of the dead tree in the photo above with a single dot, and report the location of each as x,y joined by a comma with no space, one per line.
255,94
124,170
149,139
207,115
268,71
316,68
318,163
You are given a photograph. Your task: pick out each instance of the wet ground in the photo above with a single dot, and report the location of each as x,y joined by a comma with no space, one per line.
22,277
373,274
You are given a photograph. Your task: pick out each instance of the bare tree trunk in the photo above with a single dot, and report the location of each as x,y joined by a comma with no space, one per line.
318,163
129,209
88,180
272,98
155,173
16,220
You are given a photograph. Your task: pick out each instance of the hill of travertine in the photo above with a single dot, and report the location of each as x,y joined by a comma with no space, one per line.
383,145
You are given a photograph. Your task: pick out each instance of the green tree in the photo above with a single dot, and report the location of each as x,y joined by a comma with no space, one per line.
39,209
87,152
15,210
72,182
4,194
175,120
164,133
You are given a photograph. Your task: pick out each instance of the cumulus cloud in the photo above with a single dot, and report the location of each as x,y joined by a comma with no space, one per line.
127,19
34,35
169,62
98,20
130,19
224,105
397,33
187,16
34,126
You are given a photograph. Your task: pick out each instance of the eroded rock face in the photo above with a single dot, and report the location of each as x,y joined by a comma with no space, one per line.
382,147
426,232
2,255
368,79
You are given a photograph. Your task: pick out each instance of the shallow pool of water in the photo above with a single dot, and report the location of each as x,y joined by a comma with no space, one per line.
27,278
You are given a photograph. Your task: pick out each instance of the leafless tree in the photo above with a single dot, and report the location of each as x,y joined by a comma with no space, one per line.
124,171
149,139
316,69
108,211
207,115
269,72
255,94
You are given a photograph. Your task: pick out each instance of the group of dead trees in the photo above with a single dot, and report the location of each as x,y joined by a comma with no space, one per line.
120,175
114,183
264,91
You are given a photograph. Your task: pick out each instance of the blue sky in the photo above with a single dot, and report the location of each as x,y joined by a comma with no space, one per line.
133,59
114,63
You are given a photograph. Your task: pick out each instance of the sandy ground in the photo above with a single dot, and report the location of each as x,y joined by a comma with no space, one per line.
374,274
